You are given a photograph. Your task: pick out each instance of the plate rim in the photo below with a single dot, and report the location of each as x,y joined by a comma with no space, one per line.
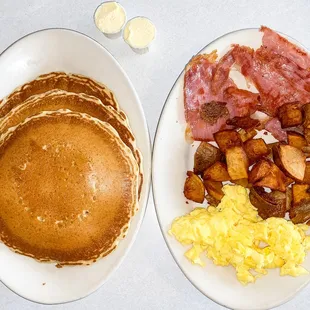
290,297
147,174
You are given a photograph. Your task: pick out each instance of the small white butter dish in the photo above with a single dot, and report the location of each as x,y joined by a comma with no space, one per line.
110,18
139,33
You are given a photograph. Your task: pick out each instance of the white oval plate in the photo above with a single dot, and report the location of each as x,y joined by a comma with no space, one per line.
172,157
65,50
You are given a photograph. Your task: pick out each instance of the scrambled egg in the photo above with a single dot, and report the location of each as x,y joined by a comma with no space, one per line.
234,234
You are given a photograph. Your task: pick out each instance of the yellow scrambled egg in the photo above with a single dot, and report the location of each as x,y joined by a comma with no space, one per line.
234,234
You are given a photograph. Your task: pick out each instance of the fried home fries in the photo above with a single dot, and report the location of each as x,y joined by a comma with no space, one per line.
277,174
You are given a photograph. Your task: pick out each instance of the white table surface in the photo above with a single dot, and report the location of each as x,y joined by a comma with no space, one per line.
149,277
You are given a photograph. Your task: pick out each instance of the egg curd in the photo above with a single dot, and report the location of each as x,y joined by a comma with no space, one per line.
234,234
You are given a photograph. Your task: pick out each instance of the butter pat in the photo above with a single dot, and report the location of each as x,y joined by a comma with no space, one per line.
139,33
110,17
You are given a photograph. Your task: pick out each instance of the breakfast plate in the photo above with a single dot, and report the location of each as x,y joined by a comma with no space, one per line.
68,51
173,156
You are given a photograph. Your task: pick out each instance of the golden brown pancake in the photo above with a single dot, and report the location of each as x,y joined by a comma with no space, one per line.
59,80
68,187
57,99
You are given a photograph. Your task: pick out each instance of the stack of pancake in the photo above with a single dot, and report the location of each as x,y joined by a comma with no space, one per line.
71,173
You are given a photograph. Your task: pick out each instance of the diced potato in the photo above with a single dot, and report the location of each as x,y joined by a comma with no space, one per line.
259,170
290,114
255,149
270,154
307,135
242,182
206,155
289,198
268,204
306,150
237,163
301,214
226,139
217,172
214,189
300,193
291,160
271,145
193,188
296,139
247,134
289,181
306,109
212,201
275,179
307,173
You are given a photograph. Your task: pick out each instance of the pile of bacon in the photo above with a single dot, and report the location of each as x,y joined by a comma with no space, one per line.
279,70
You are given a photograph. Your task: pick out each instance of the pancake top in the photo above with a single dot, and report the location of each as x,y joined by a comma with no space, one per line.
58,99
69,185
75,83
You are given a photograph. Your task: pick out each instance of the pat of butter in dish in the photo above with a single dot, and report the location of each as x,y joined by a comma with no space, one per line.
139,32
110,17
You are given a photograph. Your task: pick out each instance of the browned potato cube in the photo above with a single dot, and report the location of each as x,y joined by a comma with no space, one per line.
255,149
212,201
288,198
290,114
226,139
289,181
206,155
214,189
296,139
247,134
242,182
307,173
301,213
307,135
237,163
306,109
291,160
217,172
300,193
193,188
306,150
259,170
268,204
275,179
